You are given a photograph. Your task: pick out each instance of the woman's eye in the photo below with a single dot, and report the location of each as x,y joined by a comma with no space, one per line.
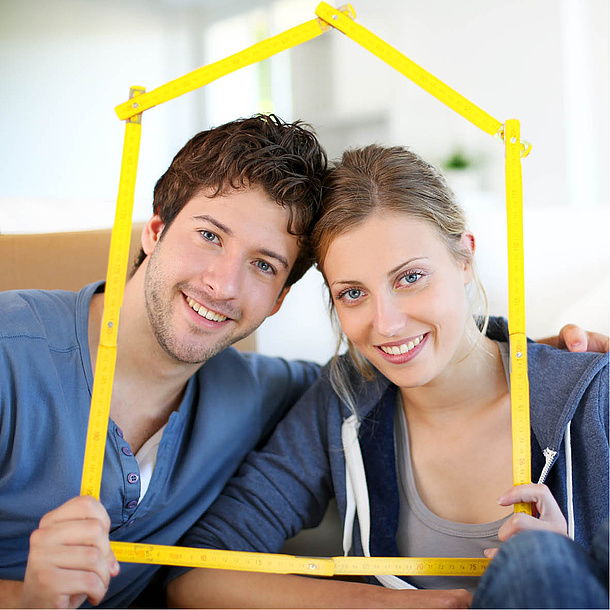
352,294
411,278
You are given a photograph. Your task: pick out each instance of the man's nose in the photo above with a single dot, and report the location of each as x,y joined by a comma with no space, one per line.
224,277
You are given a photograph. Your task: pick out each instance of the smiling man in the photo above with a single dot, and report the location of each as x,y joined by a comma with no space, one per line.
229,236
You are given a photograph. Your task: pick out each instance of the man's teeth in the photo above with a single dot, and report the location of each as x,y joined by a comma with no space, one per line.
395,350
205,313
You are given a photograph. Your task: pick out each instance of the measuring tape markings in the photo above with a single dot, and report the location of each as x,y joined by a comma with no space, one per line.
289,564
113,298
131,110
224,560
519,391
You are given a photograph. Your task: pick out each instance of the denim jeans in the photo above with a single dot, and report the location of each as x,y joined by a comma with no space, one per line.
544,570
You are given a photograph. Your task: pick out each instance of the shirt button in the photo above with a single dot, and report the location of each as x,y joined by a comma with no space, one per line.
132,477
132,504
127,450
119,432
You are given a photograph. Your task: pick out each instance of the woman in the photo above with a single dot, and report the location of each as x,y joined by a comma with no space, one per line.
410,430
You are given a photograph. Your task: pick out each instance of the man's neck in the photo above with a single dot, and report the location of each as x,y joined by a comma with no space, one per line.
148,384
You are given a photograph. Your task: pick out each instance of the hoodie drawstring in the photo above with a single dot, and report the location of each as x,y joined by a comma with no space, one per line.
357,498
569,481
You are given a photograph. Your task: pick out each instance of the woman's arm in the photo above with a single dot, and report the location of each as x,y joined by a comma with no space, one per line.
206,588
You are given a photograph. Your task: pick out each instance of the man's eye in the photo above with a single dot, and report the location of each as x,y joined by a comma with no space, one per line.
209,236
265,267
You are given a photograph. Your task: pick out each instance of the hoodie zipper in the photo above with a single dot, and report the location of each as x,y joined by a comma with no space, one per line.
549,456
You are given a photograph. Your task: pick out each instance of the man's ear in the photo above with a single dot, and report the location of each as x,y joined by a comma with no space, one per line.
152,233
280,300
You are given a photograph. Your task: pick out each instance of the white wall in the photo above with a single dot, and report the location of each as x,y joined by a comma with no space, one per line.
65,65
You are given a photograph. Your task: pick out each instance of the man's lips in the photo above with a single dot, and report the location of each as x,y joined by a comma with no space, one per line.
204,312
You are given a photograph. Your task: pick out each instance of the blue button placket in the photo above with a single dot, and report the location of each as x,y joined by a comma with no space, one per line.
130,469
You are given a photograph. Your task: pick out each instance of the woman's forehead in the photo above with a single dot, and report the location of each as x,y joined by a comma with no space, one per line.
386,239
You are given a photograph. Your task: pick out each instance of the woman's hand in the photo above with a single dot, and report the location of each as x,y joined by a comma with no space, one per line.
547,514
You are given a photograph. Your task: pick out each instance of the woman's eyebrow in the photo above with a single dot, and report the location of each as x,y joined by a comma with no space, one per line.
407,262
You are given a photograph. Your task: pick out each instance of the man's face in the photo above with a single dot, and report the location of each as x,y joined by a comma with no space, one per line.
217,271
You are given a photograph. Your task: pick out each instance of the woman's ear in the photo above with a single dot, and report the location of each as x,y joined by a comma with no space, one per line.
468,246
152,233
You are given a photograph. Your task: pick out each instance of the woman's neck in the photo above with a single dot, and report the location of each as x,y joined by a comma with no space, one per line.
468,385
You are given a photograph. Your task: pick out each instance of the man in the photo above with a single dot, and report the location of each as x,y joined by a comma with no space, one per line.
545,569
226,242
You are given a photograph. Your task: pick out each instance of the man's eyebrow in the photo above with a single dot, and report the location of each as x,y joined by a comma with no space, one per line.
215,222
278,257
227,231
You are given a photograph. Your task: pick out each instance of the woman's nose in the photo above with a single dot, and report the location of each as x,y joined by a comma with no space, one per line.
389,318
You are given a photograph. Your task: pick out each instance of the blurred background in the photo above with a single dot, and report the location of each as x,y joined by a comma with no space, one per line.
65,65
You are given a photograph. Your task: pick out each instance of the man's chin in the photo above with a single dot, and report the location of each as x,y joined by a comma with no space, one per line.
201,354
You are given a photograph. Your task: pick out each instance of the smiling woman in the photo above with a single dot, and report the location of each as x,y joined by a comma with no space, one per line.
411,429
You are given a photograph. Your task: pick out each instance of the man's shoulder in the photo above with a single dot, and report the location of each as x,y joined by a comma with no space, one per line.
255,368
38,314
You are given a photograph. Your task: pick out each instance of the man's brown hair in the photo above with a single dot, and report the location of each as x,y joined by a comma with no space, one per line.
284,159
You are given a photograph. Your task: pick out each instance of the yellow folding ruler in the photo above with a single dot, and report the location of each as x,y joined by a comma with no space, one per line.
131,111
289,564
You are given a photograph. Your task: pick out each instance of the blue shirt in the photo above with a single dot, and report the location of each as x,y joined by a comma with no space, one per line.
229,406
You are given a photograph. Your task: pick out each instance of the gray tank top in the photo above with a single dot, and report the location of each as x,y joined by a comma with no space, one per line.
421,533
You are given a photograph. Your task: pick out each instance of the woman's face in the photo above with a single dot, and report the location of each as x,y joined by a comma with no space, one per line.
400,296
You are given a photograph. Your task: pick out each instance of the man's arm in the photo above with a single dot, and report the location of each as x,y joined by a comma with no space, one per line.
10,593
576,339
70,559
207,588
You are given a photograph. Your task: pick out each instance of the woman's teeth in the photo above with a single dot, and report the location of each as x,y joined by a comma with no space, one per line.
205,313
403,348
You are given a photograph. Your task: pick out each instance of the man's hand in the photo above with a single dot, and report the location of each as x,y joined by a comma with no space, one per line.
576,339
548,515
70,559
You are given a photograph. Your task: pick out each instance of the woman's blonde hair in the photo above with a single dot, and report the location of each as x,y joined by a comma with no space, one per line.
386,179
